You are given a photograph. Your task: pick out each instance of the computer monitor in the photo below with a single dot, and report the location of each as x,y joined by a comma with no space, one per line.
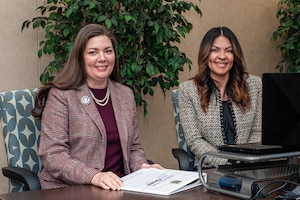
281,110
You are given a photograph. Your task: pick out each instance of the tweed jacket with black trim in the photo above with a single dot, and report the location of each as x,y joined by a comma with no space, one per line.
203,131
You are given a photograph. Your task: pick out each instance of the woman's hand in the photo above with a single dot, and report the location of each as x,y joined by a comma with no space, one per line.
107,181
146,165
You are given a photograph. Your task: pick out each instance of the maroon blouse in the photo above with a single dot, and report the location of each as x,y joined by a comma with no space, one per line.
114,156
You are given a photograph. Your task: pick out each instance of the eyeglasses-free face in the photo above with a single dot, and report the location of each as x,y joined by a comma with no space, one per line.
99,61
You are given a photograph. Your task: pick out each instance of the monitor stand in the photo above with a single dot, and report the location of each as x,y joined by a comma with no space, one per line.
250,172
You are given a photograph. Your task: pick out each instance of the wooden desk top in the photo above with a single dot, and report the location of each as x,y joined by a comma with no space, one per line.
89,192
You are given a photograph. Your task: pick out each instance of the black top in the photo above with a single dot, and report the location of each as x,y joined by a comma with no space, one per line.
228,123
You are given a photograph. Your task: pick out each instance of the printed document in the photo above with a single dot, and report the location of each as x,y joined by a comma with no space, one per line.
160,181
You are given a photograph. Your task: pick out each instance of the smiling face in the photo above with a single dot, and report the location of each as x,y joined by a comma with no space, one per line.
220,58
99,61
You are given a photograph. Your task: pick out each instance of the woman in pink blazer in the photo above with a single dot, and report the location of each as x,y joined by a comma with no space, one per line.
89,131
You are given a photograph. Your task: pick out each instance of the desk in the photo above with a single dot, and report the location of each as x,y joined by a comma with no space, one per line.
89,192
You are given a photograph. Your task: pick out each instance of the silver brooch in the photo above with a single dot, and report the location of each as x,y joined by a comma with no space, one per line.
85,100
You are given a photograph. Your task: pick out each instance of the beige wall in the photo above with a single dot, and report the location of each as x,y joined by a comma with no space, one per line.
253,22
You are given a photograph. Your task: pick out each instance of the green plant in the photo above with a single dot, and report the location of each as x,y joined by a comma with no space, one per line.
147,32
289,31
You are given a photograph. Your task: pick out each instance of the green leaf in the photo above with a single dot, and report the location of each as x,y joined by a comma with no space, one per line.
128,18
151,91
101,18
40,52
156,27
149,69
44,78
160,9
108,23
66,32
92,5
133,67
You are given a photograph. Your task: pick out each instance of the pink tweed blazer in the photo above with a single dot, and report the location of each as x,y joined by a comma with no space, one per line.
73,137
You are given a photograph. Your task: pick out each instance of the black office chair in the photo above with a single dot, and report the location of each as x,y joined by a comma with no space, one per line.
183,154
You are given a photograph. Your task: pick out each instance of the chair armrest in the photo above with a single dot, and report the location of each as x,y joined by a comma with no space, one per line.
27,177
182,158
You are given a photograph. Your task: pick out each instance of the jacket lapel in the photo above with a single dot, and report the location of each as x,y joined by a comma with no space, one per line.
120,116
90,108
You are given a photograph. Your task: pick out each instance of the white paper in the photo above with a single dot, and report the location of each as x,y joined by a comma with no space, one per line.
161,182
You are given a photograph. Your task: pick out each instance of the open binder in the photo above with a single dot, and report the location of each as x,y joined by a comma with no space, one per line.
160,182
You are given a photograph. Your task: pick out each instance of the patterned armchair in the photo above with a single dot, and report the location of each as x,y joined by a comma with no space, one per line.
21,133
183,155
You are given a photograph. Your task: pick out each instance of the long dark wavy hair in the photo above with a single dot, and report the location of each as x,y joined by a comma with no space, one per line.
73,74
236,88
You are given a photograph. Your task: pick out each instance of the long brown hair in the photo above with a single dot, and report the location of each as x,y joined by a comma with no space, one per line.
73,74
236,88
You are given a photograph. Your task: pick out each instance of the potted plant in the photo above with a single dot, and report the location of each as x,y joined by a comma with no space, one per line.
289,31
147,32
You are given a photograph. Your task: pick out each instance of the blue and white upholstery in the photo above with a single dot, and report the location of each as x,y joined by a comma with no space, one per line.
21,132
180,136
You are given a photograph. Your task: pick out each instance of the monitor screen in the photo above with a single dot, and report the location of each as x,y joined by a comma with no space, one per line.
281,109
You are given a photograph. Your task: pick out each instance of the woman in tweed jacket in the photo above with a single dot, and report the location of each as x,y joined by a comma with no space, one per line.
89,131
222,103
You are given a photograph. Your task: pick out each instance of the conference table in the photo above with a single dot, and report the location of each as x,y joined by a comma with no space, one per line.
89,192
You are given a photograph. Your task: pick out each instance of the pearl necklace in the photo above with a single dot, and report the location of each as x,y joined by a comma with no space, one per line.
104,101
